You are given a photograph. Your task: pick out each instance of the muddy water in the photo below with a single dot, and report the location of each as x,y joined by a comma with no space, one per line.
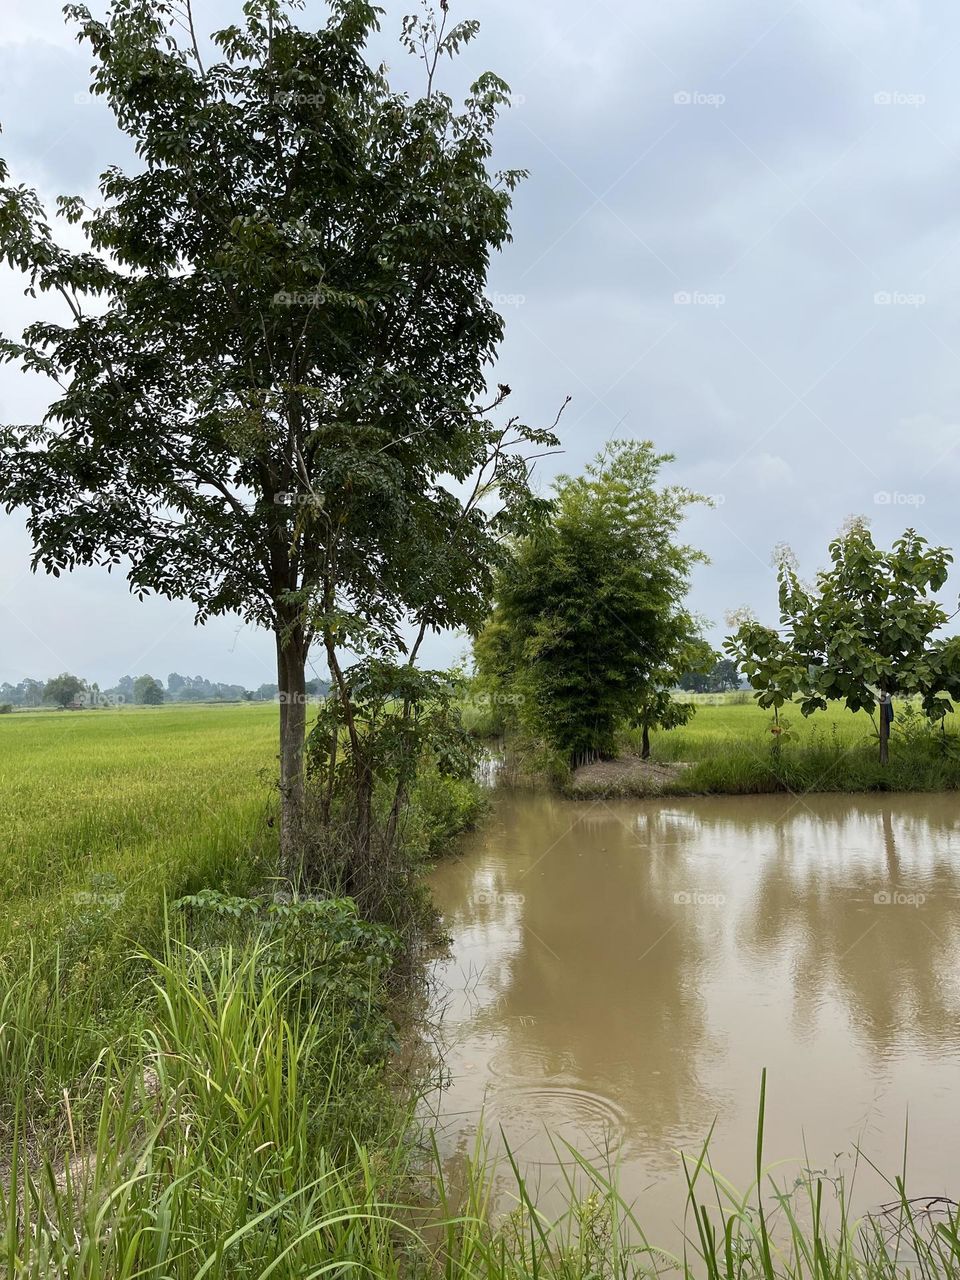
620,973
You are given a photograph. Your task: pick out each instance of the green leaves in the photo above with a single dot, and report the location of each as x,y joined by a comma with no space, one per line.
868,626
299,309
589,625
281,387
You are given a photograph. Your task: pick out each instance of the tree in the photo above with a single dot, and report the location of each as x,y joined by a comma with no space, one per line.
31,692
280,392
588,615
866,630
657,708
723,676
63,690
122,691
147,691
701,659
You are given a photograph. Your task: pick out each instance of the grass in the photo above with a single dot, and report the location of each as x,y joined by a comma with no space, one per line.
104,814
728,748
213,1156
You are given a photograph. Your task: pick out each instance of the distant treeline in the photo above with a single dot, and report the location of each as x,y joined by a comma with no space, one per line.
723,677
67,690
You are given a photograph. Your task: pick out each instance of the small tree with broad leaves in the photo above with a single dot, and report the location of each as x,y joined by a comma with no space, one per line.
868,627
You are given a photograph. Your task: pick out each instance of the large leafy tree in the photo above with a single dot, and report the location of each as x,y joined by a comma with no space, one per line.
869,627
148,691
589,622
63,690
271,358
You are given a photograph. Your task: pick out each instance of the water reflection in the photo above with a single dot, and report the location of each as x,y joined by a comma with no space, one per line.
620,972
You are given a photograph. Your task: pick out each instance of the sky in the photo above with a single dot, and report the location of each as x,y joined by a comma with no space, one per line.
739,237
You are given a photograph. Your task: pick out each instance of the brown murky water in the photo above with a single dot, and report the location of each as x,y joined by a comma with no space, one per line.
620,973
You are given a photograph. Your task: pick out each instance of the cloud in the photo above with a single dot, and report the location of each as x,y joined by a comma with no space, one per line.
825,177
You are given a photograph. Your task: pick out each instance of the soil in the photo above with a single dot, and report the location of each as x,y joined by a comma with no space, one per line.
626,774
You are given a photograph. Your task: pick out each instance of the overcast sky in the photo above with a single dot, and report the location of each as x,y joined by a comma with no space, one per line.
740,238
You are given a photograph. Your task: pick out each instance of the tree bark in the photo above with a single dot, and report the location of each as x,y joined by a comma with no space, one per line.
645,743
291,679
884,734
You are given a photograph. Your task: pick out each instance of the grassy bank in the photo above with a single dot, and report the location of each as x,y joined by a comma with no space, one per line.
220,1151
105,816
728,748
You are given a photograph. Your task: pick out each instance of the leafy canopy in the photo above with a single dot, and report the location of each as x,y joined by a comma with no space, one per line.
62,690
276,337
867,626
272,360
589,616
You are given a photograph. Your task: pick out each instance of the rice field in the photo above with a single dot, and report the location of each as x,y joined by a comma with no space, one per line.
150,797
106,817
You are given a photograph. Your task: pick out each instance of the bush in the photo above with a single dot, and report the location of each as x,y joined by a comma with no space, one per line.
441,807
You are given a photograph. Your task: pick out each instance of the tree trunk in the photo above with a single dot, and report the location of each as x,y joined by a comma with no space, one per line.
884,734
645,743
291,664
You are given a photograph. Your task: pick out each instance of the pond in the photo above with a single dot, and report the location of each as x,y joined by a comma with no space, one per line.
620,972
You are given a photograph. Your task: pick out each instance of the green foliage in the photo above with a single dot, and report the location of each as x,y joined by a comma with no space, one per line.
866,630
720,677
391,792
147,691
441,807
589,623
656,707
63,690
274,370
868,626
323,943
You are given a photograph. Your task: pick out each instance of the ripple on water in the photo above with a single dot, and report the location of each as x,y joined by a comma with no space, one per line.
530,1114
520,1064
